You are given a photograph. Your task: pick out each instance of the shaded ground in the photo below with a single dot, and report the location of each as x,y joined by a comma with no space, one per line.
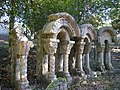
102,82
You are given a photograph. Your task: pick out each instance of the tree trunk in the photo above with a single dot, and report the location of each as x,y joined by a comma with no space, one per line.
11,44
39,54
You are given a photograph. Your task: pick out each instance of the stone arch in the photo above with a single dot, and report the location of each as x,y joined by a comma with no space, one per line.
106,33
70,20
56,21
86,48
53,28
88,34
88,31
62,34
106,37
89,37
56,35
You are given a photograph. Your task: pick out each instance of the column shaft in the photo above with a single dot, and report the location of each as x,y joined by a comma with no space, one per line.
87,50
45,65
101,60
65,64
66,48
100,57
79,61
87,65
79,57
108,63
52,75
60,63
23,67
50,46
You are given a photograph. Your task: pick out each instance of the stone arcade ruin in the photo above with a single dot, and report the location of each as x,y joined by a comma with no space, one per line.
105,40
65,49
20,52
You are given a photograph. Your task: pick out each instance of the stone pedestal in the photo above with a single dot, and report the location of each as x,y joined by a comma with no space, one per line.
79,66
50,46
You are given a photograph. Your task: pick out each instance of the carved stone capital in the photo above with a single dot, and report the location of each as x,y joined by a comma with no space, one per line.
87,48
66,46
50,45
100,47
80,46
108,47
111,46
108,50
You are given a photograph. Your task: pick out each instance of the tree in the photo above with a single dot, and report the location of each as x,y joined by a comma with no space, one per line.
34,13
112,12
115,15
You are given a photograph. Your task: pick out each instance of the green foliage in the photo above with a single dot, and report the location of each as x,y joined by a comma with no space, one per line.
34,13
55,83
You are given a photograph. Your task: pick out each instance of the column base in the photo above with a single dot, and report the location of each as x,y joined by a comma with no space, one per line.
80,72
43,80
109,67
102,68
51,77
68,77
22,85
88,71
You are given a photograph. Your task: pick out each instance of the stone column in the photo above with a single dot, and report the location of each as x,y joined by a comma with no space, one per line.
60,62
50,46
79,66
60,58
107,57
86,58
52,75
72,59
21,64
45,65
100,57
24,83
20,51
67,45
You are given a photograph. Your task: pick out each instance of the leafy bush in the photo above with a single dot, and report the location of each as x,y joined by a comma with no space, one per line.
55,83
